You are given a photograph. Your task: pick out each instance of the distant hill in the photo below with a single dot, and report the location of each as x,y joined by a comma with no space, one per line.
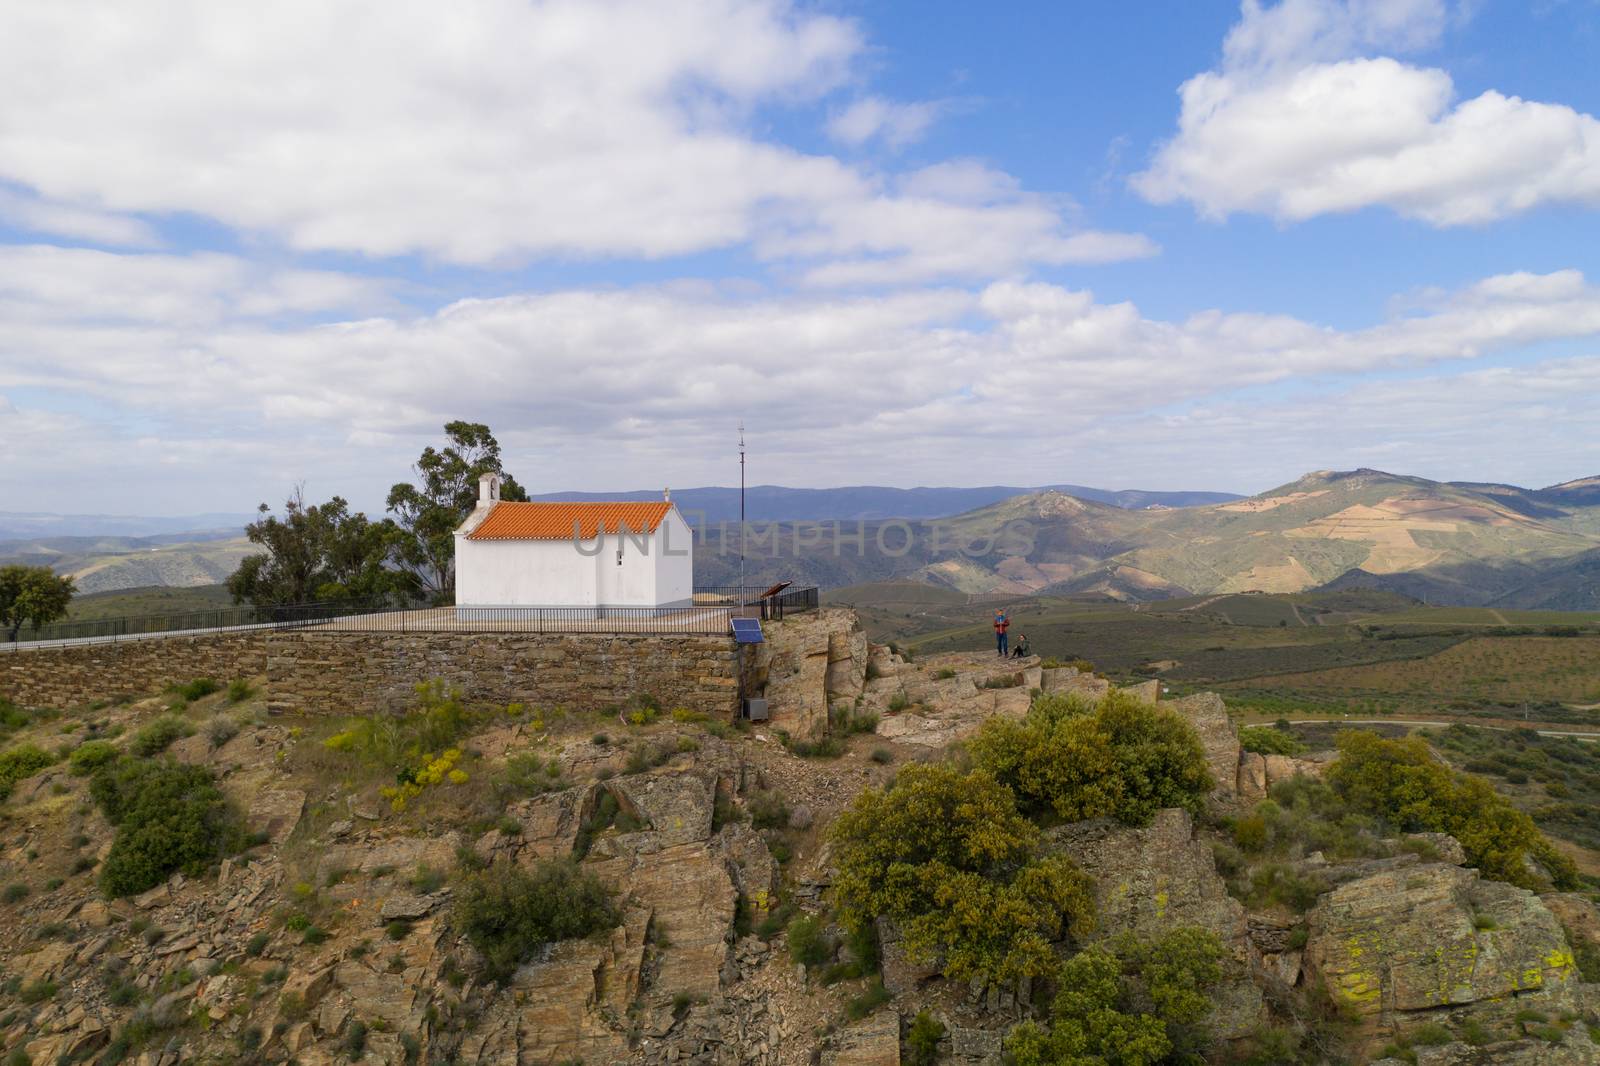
1439,542
107,563
775,503
1450,543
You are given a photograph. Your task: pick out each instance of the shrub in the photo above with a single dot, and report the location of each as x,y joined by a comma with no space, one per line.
768,810
509,913
427,880
239,690
15,892
37,991
168,817
809,943
21,762
197,689
1120,758
221,729
922,1042
1269,741
1101,1014
949,859
881,756
1401,782
257,944
825,746
399,741
1429,1034
845,720
157,735
89,756
354,1044
1279,884
529,774
1250,832
871,998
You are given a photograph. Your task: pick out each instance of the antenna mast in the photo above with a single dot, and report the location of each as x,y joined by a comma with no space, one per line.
741,512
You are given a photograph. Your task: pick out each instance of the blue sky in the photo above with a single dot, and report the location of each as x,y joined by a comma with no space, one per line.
1177,246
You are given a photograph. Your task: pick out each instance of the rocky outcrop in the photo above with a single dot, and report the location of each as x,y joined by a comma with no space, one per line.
677,807
937,701
1579,917
806,664
1435,935
1158,878
1066,679
873,1041
1206,712
567,1007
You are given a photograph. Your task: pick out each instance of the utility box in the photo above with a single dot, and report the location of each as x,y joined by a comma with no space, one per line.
755,709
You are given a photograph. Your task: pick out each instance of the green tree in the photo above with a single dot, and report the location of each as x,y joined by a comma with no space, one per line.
32,595
445,492
1136,1003
1401,782
948,858
319,552
1119,758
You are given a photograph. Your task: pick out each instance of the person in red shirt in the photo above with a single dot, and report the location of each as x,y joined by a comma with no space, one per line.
1001,624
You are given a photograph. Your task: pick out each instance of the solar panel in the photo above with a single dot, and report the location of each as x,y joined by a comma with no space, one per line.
747,631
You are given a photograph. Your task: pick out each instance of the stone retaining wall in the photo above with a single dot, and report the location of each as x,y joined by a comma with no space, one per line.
64,676
340,673
310,672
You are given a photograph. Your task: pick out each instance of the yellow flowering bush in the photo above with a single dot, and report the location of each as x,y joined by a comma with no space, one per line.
433,771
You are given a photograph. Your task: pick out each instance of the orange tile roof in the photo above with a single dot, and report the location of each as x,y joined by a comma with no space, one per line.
557,521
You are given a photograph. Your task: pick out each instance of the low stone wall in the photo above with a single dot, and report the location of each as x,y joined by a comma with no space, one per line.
309,672
64,676
342,673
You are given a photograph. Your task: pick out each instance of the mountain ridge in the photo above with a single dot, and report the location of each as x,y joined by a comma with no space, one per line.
1458,543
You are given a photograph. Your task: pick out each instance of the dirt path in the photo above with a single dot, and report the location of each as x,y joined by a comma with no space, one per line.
1203,603
1448,722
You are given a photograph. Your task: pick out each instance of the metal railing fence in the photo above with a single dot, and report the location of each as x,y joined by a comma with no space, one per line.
709,614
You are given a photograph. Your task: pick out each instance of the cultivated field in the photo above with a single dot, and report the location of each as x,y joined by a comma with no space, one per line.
1354,652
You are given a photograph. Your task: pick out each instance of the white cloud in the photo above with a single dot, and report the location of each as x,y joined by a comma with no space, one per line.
1295,32
481,132
80,286
1298,122
874,117
40,216
952,220
640,386
1433,426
